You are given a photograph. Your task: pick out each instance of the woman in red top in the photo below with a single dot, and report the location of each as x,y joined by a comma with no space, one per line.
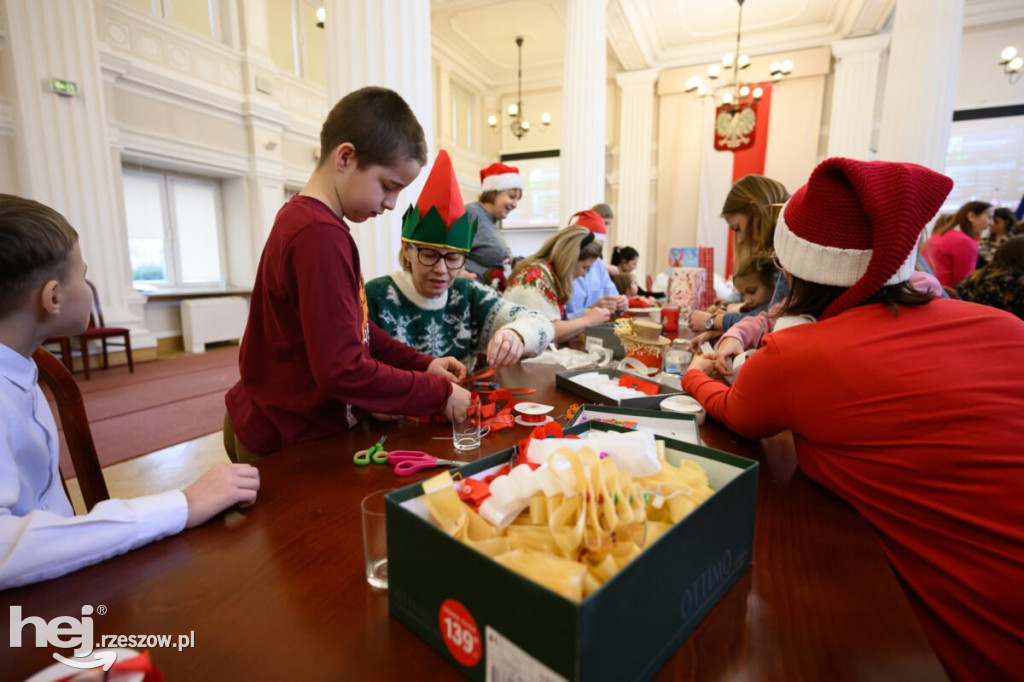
889,410
953,252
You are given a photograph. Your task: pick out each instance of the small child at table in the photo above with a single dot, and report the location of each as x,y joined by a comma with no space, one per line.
755,282
627,285
43,293
310,355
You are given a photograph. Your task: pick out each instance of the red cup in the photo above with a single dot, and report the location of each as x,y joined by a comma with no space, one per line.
670,318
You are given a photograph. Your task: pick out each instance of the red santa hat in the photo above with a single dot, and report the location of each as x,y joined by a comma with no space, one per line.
856,224
498,177
591,220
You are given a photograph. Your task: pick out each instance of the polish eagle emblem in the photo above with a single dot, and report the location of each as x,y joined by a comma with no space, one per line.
734,129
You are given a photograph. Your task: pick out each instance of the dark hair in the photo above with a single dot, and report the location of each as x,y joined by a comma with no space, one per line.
811,298
1009,257
624,253
1006,215
961,220
379,124
35,242
603,210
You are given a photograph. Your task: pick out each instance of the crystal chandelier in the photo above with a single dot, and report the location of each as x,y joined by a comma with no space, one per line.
737,94
518,125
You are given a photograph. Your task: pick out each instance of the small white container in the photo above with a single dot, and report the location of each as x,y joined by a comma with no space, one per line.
686,405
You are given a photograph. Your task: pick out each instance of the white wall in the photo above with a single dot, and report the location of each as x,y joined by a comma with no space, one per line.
981,82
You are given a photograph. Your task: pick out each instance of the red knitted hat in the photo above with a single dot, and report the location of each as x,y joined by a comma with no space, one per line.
856,224
498,177
590,220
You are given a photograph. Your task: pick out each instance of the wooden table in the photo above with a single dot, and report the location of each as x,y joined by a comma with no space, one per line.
278,591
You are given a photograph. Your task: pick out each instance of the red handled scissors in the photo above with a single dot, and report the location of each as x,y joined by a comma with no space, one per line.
408,462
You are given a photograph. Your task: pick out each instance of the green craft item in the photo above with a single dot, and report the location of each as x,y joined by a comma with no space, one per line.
439,218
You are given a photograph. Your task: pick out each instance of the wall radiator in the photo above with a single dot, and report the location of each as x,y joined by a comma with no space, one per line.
205,320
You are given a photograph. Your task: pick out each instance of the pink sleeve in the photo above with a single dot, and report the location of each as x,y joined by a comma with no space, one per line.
751,329
925,283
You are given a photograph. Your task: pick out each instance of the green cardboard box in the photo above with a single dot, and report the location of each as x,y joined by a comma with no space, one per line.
492,623
603,336
671,425
565,380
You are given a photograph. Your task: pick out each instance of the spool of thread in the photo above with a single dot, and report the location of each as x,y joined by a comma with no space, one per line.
533,414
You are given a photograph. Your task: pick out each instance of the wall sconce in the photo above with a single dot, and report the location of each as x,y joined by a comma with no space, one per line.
1011,63
517,123
321,14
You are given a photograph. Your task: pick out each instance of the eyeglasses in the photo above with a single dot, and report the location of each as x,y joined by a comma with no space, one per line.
429,257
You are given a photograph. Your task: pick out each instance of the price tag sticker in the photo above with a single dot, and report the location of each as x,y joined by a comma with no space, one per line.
460,633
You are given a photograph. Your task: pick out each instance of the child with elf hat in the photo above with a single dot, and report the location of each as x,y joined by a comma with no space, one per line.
889,412
501,189
428,306
311,359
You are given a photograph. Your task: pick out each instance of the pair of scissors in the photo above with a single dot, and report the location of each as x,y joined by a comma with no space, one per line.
408,462
374,453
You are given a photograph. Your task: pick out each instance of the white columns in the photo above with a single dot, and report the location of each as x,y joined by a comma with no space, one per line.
921,82
62,146
584,92
384,43
636,125
855,95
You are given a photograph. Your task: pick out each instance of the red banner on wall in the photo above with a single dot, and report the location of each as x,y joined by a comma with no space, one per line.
749,159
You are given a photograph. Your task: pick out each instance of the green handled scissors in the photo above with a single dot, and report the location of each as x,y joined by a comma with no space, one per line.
374,453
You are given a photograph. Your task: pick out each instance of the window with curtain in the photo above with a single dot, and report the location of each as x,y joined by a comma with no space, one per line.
297,44
175,231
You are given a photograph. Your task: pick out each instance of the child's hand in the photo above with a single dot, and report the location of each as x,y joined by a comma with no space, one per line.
705,362
505,348
222,486
458,403
447,367
610,303
728,349
699,340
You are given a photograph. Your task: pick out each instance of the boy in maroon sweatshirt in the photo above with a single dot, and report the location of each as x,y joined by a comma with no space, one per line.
310,355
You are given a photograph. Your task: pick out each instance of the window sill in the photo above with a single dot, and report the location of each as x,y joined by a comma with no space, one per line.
171,293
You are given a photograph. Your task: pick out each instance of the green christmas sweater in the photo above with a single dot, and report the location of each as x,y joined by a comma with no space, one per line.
459,323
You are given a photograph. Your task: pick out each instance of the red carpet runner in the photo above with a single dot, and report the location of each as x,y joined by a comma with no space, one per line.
163,403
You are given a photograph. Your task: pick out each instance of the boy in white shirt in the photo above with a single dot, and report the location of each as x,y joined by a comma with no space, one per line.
42,293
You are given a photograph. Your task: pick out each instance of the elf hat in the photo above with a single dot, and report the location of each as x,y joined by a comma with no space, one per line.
498,177
856,224
590,220
439,218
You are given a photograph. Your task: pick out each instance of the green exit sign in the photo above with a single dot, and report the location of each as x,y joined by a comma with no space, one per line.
63,87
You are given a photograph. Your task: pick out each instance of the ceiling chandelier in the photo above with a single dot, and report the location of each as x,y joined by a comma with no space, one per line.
736,118
518,125
1011,63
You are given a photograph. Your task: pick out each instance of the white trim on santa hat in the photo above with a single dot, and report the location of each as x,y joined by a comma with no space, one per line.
501,182
827,264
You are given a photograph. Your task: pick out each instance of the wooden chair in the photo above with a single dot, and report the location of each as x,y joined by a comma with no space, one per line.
65,349
55,376
103,333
